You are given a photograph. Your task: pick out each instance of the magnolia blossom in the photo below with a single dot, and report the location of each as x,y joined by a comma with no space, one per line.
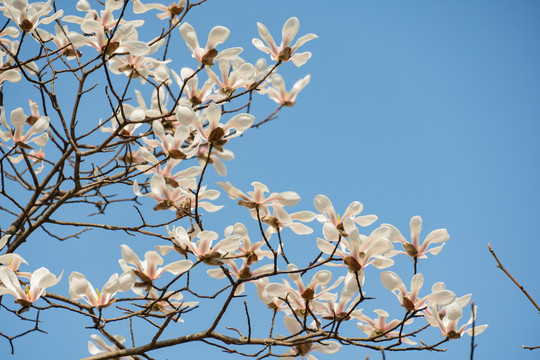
216,158
256,201
305,348
124,39
241,273
61,40
27,16
101,347
14,261
39,281
189,81
413,248
447,318
148,270
80,288
169,302
252,252
280,219
304,293
214,133
277,92
359,251
231,78
333,223
374,328
171,10
172,146
18,119
286,51
411,300
209,55
205,252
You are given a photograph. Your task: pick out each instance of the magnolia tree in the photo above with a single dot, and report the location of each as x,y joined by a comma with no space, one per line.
169,123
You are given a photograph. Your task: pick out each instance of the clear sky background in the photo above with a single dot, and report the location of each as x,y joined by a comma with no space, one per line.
414,108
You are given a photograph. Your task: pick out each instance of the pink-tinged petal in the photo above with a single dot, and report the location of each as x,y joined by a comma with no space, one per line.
477,330
300,59
416,284
321,278
190,37
260,45
392,281
90,26
416,226
210,207
435,250
302,40
454,311
353,209
292,324
10,281
228,54
366,220
268,39
300,229
44,278
395,234
233,192
229,244
178,267
129,255
216,273
286,198
326,247
326,347
354,242
290,29
323,204
218,35
436,236
213,113
277,290
11,75
78,286
442,298
379,247
136,48
382,263
240,122
18,119
40,140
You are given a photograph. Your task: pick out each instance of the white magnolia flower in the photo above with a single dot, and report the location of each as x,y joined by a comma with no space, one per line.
39,281
414,249
411,300
101,347
277,92
286,51
80,288
209,55
18,119
305,348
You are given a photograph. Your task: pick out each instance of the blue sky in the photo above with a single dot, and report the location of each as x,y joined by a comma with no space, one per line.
414,108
